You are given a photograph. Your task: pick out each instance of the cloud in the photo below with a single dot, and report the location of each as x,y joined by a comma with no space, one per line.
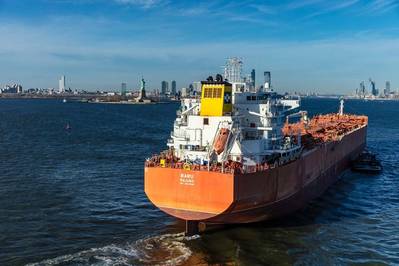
375,7
381,6
264,9
142,3
301,4
332,7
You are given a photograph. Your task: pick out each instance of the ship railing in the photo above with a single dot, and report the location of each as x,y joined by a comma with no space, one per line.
181,123
181,134
228,167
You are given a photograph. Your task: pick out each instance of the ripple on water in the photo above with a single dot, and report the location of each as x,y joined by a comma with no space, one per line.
167,249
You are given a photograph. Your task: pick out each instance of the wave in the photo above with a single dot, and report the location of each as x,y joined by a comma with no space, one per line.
167,249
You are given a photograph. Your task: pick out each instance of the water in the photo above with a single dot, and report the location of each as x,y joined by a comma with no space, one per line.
75,196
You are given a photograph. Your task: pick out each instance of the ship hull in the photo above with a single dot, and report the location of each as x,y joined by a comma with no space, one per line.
244,198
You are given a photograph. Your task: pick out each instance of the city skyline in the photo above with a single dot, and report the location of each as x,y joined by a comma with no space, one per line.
307,45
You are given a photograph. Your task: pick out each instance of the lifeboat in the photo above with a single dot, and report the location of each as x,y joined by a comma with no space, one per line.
221,140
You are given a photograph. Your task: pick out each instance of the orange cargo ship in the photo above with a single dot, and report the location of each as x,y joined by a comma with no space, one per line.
236,182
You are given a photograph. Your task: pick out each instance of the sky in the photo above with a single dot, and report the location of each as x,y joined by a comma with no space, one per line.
328,46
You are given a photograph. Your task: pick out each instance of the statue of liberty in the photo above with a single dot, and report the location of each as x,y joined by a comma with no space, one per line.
142,91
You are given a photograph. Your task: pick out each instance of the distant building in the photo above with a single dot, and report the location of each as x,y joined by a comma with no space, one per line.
253,78
361,92
123,89
196,87
184,92
164,87
61,85
374,90
268,80
173,87
387,90
15,88
19,88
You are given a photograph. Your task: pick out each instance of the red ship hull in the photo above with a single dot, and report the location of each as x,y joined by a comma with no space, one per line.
244,198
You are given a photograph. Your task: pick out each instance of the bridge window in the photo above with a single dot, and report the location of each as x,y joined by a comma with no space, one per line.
208,93
212,92
217,92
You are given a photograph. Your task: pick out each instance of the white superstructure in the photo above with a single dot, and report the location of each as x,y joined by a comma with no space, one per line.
253,123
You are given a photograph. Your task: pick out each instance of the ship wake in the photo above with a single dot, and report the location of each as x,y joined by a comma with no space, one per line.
167,249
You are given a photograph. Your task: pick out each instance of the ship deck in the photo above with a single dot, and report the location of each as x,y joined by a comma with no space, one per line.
319,130
325,128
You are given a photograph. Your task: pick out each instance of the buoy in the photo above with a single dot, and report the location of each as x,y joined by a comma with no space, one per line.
68,126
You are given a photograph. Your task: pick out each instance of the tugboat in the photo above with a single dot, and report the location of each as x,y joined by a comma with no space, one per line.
367,163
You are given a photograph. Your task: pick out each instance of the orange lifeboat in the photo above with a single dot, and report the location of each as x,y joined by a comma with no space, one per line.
221,140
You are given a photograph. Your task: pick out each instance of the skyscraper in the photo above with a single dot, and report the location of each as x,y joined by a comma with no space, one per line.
164,87
268,80
374,90
362,89
173,85
253,78
387,90
61,85
123,89
196,85
184,92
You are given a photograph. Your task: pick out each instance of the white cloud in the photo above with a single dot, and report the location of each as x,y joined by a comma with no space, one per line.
264,9
142,3
381,6
302,4
332,7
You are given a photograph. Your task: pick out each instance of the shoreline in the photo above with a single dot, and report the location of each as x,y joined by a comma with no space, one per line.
84,98
132,103
88,98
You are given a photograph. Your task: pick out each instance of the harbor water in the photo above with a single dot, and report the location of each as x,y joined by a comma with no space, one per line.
71,193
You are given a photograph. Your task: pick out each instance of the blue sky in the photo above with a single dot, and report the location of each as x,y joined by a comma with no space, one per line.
328,46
